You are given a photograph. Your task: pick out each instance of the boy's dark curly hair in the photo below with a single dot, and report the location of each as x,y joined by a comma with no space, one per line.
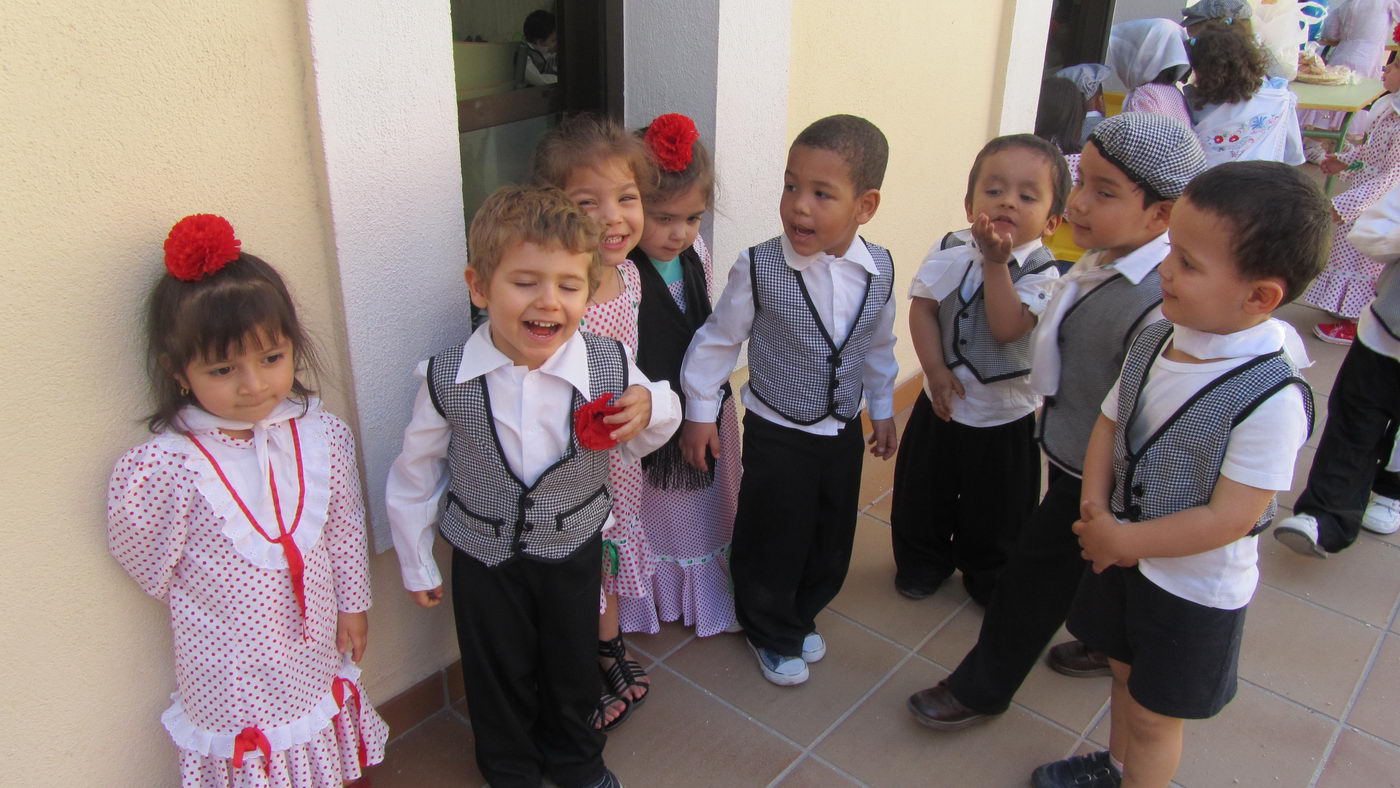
1228,67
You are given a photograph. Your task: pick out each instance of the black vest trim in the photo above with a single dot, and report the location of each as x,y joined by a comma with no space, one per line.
958,358
432,390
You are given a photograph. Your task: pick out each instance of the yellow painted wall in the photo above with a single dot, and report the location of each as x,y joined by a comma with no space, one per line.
117,120
930,75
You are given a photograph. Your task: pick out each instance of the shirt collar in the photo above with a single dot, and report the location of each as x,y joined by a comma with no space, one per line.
569,363
1137,264
1020,253
857,253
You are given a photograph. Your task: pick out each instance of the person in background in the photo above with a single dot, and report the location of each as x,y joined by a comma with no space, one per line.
1089,79
541,59
1149,57
1357,31
1240,115
1059,118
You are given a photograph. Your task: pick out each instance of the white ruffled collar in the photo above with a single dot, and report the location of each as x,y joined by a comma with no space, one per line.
1271,335
273,451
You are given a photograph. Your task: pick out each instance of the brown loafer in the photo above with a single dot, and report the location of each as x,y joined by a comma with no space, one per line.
1073,658
938,709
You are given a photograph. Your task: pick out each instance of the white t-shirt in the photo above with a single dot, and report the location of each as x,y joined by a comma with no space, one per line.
1260,453
986,404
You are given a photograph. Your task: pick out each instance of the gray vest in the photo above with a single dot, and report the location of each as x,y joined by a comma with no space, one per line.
1386,307
1177,467
967,338
493,516
1094,337
795,366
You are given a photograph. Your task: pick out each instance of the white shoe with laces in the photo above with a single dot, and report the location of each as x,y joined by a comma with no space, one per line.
1299,534
778,669
813,647
1382,515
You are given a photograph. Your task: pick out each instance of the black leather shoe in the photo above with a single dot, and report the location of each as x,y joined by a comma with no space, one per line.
1073,658
938,709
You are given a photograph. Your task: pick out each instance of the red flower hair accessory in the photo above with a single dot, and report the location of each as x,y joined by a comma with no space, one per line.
1396,34
672,138
589,427
200,245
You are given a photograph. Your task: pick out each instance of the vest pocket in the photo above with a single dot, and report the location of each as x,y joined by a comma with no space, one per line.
587,516
475,523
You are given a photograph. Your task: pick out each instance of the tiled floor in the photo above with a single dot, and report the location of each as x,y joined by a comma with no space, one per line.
1319,701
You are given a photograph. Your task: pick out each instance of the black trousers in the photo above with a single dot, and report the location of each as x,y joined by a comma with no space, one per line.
794,528
1032,598
528,631
1362,414
961,495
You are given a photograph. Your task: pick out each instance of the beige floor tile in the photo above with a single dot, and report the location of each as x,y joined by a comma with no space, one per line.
653,647
683,736
869,596
880,509
881,744
1072,702
877,477
1377,708
1300,477
436,754
1362,581
1361,762
812,773
854,662
1309,654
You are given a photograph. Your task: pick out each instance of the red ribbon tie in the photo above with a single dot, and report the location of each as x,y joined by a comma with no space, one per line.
338,689
250,740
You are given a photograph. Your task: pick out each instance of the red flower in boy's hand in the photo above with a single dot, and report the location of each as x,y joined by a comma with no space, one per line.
672,138
200,245
592,432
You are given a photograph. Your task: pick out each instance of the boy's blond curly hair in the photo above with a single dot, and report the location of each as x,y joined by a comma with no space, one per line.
543,216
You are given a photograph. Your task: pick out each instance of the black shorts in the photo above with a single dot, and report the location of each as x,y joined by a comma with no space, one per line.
1185,656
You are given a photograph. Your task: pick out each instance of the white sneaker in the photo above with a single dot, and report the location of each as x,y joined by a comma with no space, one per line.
1299,533
1382,517
780,670
813,647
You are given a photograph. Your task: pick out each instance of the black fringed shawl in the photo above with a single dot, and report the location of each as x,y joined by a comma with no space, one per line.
663,334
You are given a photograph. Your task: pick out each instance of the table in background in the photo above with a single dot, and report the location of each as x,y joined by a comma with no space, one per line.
1347,99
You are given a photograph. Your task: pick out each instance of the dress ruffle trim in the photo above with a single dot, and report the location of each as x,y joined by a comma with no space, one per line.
695,592
188,736
316,465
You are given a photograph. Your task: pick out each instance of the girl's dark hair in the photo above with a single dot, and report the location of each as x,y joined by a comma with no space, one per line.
1228,66
666,185
1060,117
190,321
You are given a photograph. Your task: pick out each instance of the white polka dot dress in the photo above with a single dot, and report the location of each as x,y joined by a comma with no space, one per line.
627,560
689,532
1348,283
263,698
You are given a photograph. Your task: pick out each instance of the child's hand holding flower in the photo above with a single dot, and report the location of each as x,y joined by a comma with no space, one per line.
634,416
1101,537
995,248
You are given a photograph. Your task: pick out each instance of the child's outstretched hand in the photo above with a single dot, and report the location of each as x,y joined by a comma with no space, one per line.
696,438
352,634
1099,537
883,438
634,416
429,598
995,248
943,385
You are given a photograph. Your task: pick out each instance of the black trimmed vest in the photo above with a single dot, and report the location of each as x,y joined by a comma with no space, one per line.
1177,466
795,366
493,516
967,337
1094,337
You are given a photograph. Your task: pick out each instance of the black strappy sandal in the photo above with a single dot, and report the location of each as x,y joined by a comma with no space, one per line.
596,718
624,672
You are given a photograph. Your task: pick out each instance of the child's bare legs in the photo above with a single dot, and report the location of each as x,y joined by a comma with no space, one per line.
1148,744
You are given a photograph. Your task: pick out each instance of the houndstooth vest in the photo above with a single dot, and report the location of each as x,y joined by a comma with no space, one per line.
1177,467
493,516
1094,336
795,367
967,338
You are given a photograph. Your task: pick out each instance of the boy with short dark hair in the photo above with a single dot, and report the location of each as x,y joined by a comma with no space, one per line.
495,428
1200,431
814,304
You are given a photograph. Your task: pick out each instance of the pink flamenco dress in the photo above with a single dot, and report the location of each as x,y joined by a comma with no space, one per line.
627,560
689,530
256,546
1348,283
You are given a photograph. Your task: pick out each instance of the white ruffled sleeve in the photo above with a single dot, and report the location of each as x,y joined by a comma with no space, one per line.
149,501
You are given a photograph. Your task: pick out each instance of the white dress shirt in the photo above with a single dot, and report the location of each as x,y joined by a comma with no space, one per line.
837,289
533,415
984,404
1081,280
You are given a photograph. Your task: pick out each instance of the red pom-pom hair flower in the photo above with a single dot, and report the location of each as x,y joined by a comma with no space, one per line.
1396,34
589,427
672,138
200,245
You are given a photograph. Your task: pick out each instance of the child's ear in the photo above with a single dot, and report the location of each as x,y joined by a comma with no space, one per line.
1265,295
477,287
866,205
1160,215
1052,224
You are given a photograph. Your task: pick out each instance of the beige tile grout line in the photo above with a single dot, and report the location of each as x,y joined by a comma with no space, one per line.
1355,694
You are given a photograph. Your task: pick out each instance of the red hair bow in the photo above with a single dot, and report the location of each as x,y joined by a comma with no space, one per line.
200,245
672,138
592,432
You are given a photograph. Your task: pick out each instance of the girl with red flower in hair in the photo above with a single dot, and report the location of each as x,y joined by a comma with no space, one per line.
244,515
688,514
